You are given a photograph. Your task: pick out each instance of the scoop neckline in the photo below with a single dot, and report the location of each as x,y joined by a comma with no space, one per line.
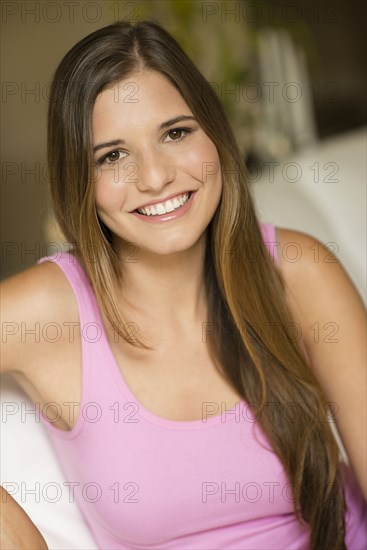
197,423
114,368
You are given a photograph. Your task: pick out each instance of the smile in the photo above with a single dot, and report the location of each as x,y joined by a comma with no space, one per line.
164,207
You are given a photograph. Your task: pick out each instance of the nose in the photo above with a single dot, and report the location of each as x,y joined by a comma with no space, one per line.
155,170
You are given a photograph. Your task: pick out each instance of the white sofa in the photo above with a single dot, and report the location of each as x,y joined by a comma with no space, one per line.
322,191
30,472
331,211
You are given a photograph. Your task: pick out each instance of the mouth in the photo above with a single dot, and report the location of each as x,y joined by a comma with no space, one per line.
165,207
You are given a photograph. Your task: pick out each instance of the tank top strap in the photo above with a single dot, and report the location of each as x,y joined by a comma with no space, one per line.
269,235
93,340
89,314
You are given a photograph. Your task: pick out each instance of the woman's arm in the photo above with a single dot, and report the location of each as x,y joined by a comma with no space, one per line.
332,320
35,297
18,305
18,532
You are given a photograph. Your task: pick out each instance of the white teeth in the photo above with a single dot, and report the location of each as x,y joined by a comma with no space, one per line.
164,207
161,209
169,206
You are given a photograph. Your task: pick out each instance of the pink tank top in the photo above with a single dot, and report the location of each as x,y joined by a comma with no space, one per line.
145,482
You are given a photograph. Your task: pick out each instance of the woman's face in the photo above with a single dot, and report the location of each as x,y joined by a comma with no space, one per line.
145,157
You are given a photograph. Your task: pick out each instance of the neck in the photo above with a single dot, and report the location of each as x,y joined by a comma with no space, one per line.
165,294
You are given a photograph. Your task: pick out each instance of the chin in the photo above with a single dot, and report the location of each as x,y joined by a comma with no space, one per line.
173,246
168,250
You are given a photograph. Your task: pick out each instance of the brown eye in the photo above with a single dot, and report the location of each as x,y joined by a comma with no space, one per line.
113,156
175,134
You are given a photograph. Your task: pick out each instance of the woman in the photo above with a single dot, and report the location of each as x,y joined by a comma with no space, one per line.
186,396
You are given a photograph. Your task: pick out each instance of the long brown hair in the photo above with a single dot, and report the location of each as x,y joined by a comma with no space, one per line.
246,294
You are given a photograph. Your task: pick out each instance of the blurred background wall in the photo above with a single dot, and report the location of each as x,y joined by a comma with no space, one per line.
290,73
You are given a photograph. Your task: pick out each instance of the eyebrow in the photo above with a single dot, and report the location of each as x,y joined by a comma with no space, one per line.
160,127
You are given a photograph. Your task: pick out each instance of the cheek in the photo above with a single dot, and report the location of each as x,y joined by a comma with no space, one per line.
201,161
110,191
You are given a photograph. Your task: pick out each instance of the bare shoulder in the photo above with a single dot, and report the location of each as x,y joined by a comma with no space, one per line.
301,253
35,305
316,282
310,268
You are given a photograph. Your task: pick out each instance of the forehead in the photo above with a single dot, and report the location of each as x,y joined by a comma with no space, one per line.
141,97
